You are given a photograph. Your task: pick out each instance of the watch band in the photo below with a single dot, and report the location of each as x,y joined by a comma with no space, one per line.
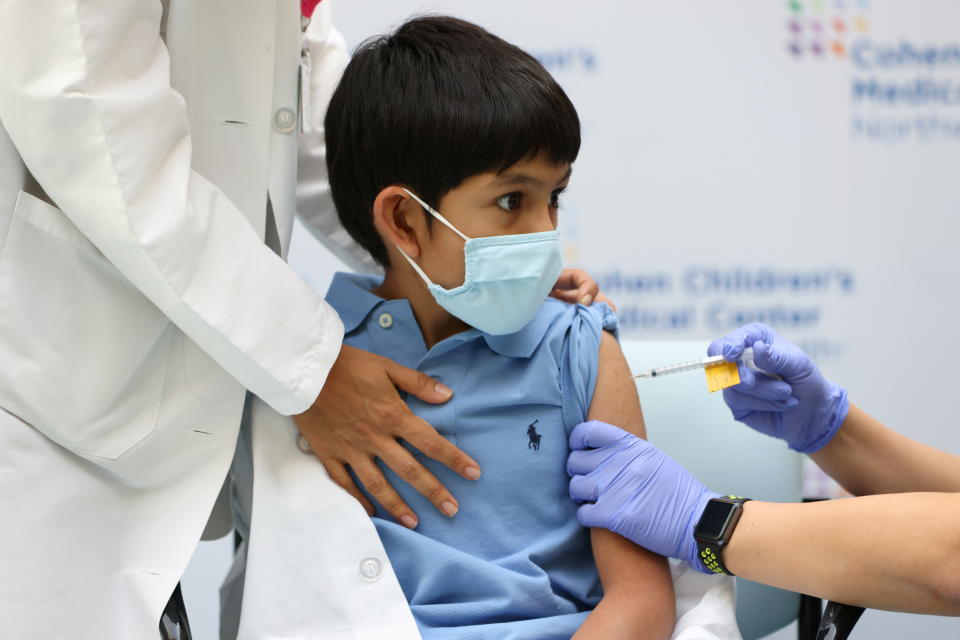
712,536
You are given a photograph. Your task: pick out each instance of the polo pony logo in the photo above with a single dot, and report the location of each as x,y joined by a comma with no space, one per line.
534,436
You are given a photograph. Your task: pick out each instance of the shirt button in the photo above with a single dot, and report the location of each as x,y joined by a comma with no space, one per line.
385,320
370,569
284,120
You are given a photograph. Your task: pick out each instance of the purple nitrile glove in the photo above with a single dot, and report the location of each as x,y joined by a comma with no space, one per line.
635,490
804,409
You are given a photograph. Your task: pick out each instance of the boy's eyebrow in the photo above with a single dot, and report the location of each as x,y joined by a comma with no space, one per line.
507,179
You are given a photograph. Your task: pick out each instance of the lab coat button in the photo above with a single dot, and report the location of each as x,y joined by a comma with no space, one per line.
385,320
284,120
302,444
370,569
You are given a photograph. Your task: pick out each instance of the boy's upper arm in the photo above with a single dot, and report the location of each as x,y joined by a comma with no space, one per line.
615,398
622,564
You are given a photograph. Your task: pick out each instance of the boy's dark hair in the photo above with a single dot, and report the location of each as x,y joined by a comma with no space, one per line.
432,104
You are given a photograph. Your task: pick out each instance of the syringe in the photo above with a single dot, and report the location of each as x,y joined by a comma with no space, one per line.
703,363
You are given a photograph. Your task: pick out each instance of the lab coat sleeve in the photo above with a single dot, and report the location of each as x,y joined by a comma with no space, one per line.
325,55
85,96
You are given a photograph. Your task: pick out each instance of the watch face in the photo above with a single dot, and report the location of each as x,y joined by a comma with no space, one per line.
714,519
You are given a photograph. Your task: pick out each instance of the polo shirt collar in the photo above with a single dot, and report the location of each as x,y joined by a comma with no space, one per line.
350,294
523,343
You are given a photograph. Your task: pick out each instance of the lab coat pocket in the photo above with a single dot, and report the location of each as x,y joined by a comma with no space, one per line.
83,354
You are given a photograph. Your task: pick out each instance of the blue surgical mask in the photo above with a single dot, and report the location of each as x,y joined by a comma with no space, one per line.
507,278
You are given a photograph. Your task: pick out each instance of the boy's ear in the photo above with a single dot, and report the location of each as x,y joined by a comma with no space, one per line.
399,219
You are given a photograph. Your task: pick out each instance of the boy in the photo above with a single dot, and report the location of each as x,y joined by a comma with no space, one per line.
442,116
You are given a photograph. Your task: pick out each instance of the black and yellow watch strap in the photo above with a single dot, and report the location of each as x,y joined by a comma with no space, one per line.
715,528
710,557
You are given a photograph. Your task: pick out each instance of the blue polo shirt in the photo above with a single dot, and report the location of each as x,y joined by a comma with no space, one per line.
513,564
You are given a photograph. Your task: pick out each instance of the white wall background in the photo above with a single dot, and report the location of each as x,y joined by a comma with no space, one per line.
730,173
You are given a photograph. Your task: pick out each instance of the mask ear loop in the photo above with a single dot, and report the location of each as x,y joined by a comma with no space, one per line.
437,215
416,267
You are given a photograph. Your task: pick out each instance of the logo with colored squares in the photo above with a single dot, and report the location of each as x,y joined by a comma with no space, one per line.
823,28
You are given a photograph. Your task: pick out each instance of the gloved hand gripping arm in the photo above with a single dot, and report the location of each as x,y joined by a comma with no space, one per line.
634,489
866,551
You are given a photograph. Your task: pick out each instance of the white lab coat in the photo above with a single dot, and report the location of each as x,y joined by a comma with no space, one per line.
138,300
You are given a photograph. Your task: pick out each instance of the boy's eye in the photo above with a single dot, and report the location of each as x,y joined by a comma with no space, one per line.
510,201
555,197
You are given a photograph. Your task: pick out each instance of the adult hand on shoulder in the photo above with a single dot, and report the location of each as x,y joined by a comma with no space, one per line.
636,490
576,286
359,416
804,409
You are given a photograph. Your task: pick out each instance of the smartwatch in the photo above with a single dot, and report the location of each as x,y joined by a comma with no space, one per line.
715,528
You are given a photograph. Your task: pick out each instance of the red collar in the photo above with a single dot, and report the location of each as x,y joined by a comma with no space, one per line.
307,7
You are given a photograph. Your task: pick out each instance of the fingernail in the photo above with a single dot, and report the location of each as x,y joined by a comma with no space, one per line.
408,521
443,389
472,472
448,508
587,300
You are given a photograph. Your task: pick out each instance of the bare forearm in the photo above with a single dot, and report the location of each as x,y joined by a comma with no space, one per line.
623,615
638,591
866,457
898,552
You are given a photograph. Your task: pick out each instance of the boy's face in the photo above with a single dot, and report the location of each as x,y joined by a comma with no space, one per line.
522,199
